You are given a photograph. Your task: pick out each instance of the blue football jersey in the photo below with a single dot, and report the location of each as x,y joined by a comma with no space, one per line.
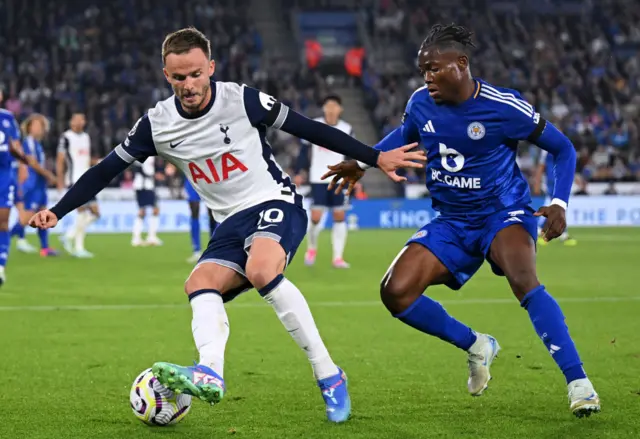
9,131
33,147
471,148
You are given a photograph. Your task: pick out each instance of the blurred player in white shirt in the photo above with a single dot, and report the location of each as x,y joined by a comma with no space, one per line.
318,160
144,183
74,159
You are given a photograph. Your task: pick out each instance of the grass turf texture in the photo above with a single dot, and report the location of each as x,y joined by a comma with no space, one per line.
75,333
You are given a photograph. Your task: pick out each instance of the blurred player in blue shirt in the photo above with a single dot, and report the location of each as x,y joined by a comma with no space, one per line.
546,168
34,189
470,131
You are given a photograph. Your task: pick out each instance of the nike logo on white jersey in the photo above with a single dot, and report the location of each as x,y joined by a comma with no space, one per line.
428,127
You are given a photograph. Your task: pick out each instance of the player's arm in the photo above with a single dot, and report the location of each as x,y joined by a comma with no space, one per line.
137,146
61,157
406,133
523,123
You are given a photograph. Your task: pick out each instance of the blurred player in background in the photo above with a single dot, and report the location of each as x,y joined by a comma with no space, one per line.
10,147
215,133
546,170
471,131
194,225
317,159
34,187
144,183
74,159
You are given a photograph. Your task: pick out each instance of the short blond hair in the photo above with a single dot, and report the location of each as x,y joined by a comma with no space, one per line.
26,124
183,40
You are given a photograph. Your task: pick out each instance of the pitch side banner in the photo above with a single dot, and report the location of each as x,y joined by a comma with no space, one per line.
589,211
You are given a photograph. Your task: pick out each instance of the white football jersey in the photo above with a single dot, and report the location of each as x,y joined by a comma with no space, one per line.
222,149
77,150
321,157
145,175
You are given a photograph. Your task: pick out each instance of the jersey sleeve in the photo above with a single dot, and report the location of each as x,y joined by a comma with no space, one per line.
263,109
138,144
522,122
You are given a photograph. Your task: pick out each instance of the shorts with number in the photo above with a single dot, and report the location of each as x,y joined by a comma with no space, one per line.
7,194
284,222
192,195
463,243
35,199
324,198
146,198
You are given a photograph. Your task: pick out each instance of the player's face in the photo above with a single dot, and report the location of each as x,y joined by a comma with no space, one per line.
332,111
37,128
189,75
443,72
78,122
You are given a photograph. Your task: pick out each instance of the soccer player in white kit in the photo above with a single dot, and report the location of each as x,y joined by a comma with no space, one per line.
74,157
215,132
144,183
319,159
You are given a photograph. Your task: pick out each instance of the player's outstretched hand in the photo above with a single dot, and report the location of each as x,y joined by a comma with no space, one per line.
346,172
556,221
403,157
45,219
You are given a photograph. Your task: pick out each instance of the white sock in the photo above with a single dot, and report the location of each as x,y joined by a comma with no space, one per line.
138,225
154,223
210,328
312,236
84,221
564,236
339,239
73,230
294,313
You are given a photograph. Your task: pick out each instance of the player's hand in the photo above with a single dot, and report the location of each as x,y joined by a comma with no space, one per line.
344,173
403,157
556,221
45,219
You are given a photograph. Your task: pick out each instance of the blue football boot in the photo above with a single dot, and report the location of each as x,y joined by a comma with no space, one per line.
336,397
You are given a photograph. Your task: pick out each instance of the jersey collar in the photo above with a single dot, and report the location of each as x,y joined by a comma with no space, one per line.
200,113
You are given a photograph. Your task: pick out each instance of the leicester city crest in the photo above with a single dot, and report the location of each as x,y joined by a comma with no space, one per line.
476,131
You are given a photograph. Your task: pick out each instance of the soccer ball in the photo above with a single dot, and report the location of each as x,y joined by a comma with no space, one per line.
154,404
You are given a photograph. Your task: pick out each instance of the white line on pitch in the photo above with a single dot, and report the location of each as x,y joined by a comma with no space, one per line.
346,304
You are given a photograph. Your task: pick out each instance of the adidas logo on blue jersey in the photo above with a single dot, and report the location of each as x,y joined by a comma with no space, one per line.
428,127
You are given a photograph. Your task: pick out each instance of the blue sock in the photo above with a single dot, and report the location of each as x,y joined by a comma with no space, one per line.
430,317
44,238
18,230
5,239
195,234
548,321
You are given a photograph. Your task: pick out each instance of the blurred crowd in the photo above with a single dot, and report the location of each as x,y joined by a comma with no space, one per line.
577,62
104,59
581,67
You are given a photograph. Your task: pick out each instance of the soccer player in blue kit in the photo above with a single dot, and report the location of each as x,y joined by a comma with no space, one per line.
470,131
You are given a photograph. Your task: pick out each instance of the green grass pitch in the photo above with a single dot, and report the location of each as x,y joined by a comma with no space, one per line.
75,333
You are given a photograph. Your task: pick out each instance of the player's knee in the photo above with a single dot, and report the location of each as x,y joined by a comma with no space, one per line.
196,281
522,280
261,276
396,294
338,216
